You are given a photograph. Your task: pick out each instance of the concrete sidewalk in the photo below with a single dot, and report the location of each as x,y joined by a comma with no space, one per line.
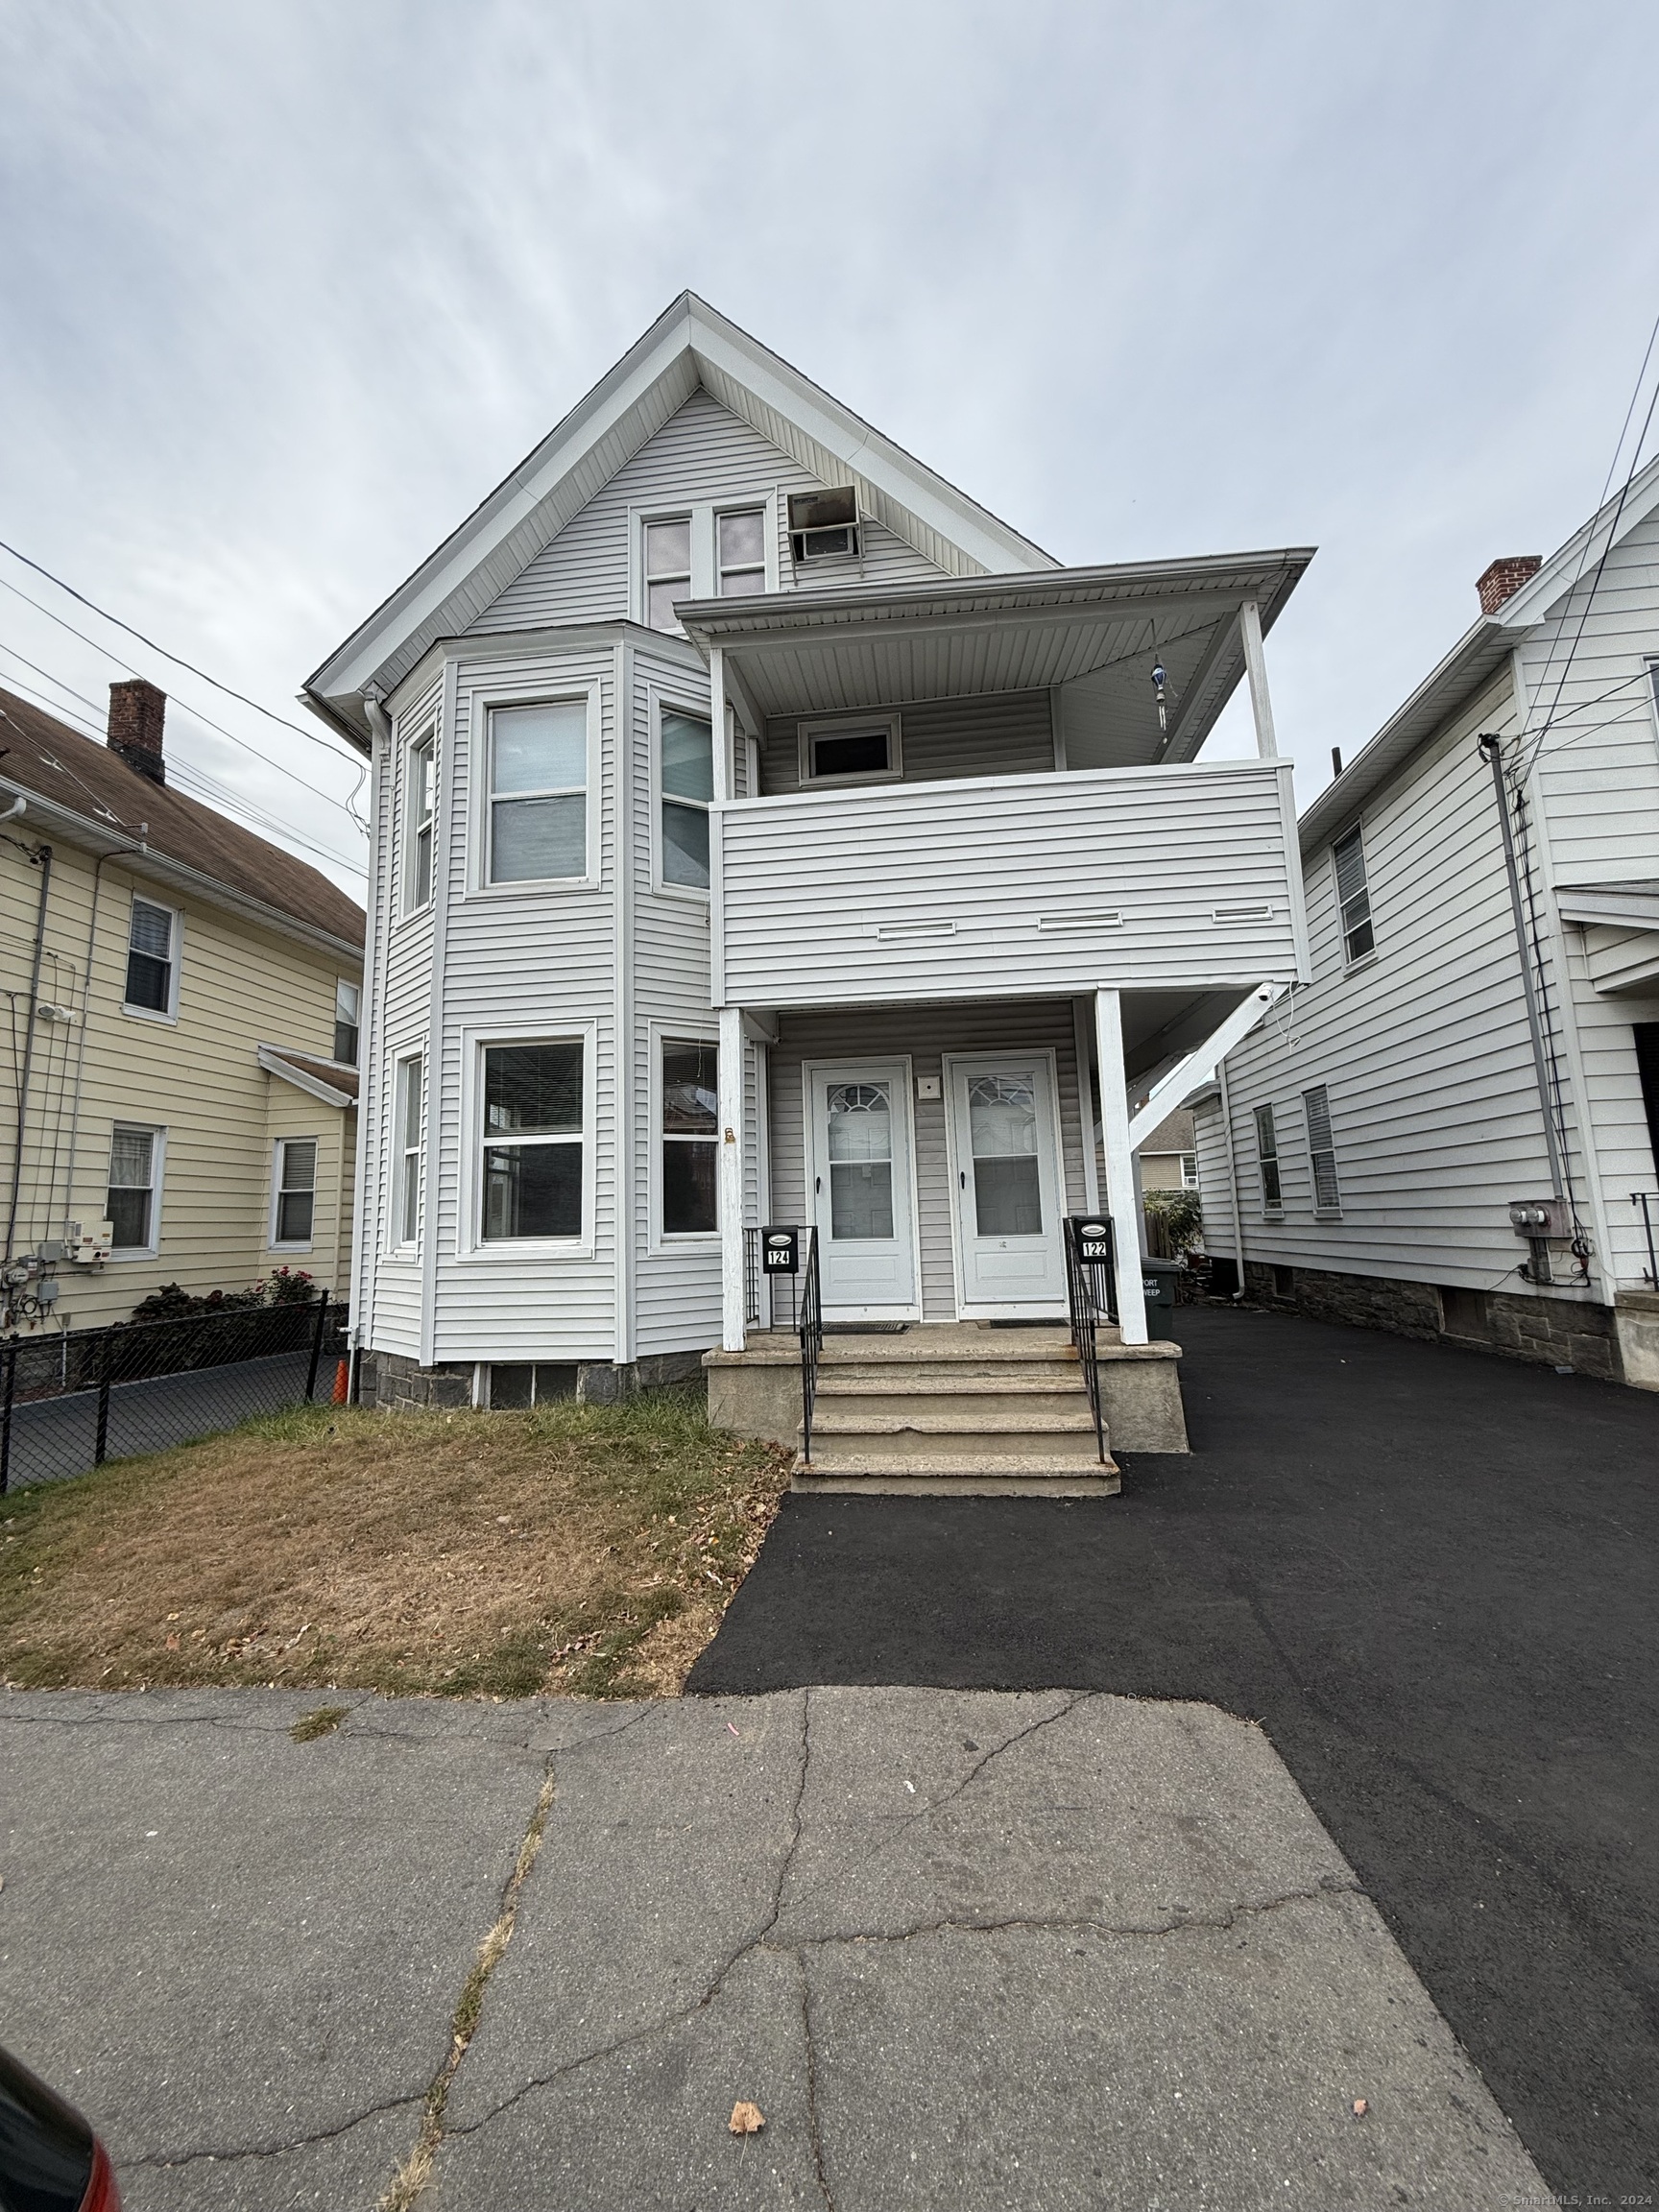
970,1949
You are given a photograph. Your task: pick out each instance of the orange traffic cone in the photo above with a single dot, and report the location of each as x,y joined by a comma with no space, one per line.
342,1381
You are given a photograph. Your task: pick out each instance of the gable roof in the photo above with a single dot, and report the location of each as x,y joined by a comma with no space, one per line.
1477,657
690,345
82,790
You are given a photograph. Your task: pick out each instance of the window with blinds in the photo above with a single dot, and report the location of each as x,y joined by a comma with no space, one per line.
152,968
1321,1151
1353,895
1267,1159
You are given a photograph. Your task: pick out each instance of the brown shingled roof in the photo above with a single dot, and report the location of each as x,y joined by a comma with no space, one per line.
43,756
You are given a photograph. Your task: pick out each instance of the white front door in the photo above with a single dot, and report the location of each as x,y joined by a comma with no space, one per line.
859,1185
1007,1170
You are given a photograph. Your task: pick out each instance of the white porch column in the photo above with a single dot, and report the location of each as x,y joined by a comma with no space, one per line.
733,1301
1255,668
1122,1201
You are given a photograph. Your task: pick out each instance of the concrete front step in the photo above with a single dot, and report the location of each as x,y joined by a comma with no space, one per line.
859,1467
844,1418
1057,1373
1103,1482
924,1399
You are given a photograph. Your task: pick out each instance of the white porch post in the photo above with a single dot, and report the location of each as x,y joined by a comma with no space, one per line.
1121,1202
733,1301
1255,668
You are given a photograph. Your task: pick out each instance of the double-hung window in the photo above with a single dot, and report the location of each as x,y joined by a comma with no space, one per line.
408,1104
134,1158
691,1137
537,825
1353,895
686,774
667,570
532,1140
347,1010
294,1205
420,795
740,552
151,958
1322,1151
1267,1158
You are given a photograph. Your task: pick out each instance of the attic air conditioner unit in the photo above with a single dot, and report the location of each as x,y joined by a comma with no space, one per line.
823,524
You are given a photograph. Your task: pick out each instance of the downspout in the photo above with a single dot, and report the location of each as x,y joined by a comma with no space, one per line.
1492,752
369,1047
85,1024
1231,1181
43,856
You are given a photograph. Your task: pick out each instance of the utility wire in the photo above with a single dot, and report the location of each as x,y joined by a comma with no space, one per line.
178,660
275,766
184,772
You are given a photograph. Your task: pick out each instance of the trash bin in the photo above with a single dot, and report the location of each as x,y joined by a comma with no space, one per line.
1158,1278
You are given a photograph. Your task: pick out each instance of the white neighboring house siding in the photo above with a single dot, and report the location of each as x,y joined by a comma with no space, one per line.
1598,786
1423,1049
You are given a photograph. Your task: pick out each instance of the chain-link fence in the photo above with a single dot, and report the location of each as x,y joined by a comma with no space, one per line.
68,1403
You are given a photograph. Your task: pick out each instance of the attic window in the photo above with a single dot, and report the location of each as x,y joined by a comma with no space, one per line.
823,524
667,570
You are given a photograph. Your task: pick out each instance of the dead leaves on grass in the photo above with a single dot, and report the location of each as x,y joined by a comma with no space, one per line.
473,1555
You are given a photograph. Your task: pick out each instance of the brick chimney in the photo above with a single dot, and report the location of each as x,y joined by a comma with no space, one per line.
136,712
1504,578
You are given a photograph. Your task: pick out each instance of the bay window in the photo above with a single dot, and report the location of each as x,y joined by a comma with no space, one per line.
538,792
691,1137
686,770
532,1166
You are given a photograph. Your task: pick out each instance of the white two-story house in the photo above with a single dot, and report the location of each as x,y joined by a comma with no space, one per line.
767,834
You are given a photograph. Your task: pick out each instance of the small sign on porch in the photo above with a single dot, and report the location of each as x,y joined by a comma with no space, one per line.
1094,1233
780,1251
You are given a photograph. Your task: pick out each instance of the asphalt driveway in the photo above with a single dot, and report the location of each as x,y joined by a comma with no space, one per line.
1431,1575
54,1437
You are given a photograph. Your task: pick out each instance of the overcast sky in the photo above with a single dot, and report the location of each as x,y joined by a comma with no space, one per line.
286,290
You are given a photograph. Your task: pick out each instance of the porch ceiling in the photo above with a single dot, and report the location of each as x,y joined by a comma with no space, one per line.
1091,635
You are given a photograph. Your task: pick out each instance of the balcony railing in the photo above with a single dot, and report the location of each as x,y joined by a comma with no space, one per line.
1009,885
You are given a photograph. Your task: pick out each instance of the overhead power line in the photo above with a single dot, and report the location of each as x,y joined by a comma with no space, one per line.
276,768
178,660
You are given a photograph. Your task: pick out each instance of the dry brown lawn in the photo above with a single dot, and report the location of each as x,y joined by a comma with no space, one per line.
581,1550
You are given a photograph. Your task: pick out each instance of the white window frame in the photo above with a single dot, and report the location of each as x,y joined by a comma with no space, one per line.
279,1153
510,1251
1271,1208
424,739
819,726
1357,959
167,1016
550,689
693,1032
157,1135
398,1245
705,581
767,503
674,703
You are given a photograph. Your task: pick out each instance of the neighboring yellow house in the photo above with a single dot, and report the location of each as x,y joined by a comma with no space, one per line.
178,1103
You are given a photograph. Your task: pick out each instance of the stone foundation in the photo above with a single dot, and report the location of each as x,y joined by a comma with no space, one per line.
396,1385
1553,1331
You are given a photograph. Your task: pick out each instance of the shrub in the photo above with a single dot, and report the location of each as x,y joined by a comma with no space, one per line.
283,1286
1174,1222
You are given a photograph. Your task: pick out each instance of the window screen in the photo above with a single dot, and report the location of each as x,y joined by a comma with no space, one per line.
538,791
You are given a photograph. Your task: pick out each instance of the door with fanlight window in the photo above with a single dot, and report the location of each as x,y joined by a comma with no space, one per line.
1007,1184
860,1187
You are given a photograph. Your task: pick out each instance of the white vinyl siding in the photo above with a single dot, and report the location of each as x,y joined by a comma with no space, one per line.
702,453
294,1195
1023,885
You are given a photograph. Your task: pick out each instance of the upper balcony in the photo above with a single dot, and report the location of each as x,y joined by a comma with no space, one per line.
1035,821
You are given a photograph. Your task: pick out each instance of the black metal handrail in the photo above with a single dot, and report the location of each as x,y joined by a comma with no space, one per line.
811,1343
1091,1296
1650,1273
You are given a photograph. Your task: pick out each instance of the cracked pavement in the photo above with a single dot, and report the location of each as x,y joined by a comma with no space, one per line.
1040,1951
